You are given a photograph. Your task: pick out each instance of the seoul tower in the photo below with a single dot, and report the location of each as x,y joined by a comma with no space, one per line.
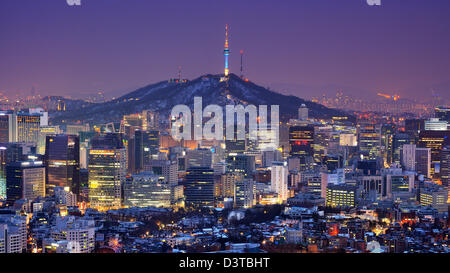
226,51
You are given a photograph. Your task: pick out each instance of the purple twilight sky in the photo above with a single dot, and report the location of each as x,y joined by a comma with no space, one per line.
293,46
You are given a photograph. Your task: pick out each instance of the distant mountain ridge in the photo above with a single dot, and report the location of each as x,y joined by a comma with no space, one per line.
163,96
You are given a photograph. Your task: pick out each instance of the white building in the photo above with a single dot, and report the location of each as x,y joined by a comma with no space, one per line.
303,112
79,232
435,124
279,180
65,197
416,159
409,157
42,113
13,234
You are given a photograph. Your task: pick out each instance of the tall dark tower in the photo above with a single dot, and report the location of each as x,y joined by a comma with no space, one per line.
62,157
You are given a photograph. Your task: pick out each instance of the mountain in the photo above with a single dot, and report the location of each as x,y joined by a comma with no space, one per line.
164,95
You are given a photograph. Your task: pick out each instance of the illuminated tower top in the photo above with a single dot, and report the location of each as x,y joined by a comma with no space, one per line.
226,52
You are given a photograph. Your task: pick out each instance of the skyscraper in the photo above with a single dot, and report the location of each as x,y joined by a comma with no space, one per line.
435,124
10,152
301,143
107,171
423,161
199,187
399,141
409,157
146,190
25,180
27,127
387,141
369,139
6,127
146,147
244,164
19,127
244,194
164,168
301,139
445,168
62,157
436,141
199,158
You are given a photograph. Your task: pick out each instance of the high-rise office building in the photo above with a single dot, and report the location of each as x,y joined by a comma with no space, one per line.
301,140
43,133
27,127
199,184
25,180
107,171
227,184
62,158
146,147
399,141
343,196
19,127
164,168
423,161
434,196
369,139
436,141
413,127
399,184
315,184
11,152
244,164
199,158
146,190
6,127
244,195
270,156
435,124
445,168
387,141
409,157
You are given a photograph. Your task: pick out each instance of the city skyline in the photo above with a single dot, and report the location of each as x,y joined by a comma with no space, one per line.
296,48
186,127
